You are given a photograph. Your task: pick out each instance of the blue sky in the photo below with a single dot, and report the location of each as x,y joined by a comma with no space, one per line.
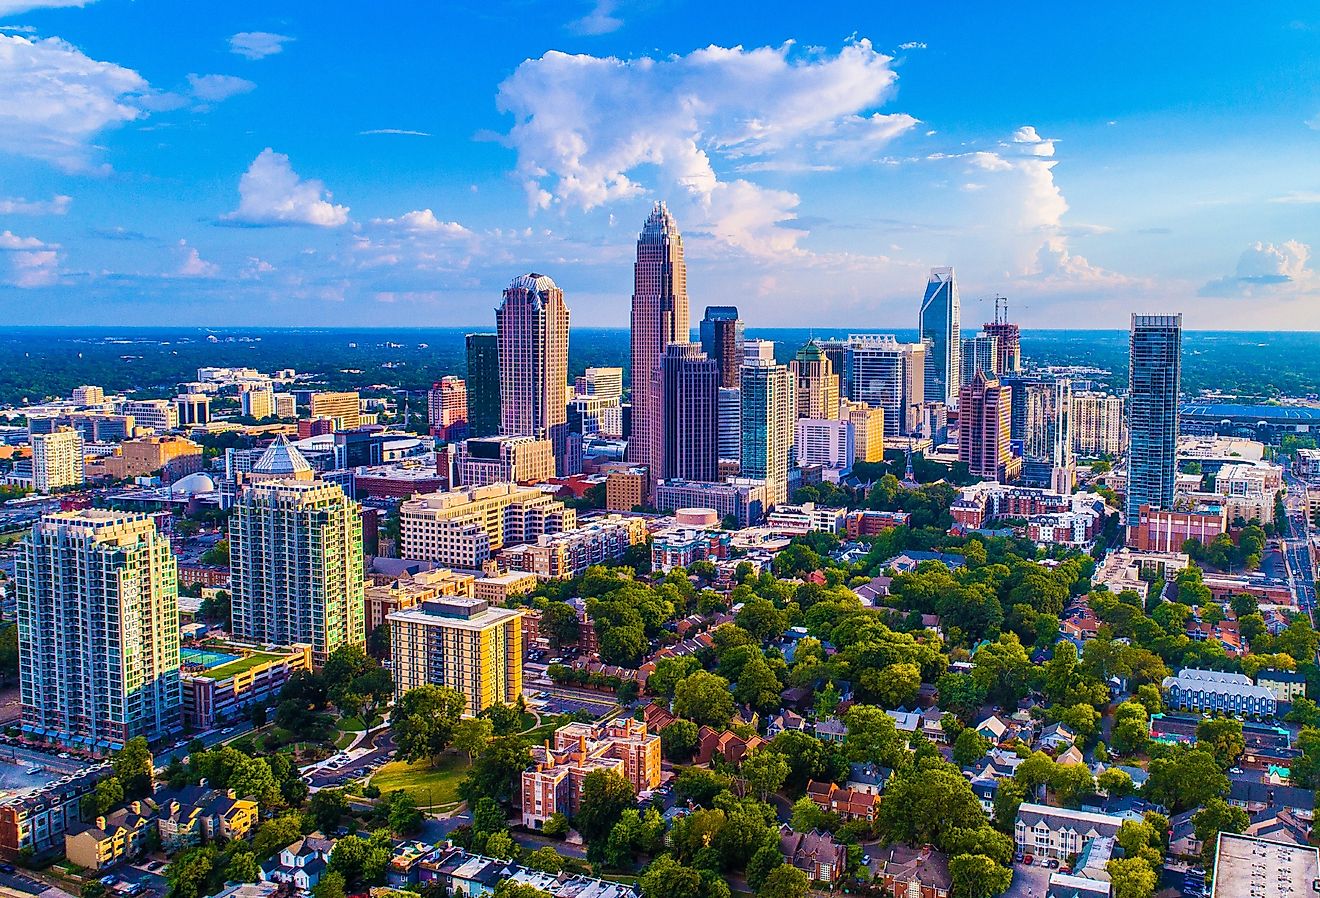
399,163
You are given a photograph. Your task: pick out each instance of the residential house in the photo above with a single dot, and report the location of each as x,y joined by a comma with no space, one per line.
301,863
914,872
785,722
867,778
405,864
1212,690
932,725
1056,737
848,804
831,729
1284,826
111,838
196,814
1058,832
816,854
727,744
1257,797
906,721
1285,684
39,819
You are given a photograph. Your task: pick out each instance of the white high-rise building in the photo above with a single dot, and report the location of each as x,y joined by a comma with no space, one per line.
532,322
828,442
887,374
98,630
57,460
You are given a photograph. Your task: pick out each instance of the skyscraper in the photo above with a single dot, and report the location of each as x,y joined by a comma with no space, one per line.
722,340
483,384
296,568
462,643
447,409
689,407
1008,346
767,424
98,630
1063,474
979,353
817,383
1098,425
887,374
730,404
940,328
532,322
983,424
659,317
1154,374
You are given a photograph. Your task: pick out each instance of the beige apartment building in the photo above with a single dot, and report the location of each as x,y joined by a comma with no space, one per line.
345,409
463,528
57,460
462,643
411,590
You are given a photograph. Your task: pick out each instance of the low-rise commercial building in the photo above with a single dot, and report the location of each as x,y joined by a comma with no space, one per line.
224,692
681,547
1262,868
570,552
742,499
170,456
499,588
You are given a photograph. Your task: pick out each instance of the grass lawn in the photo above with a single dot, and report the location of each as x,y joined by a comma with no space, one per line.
344,741
429,786
256,659
352,724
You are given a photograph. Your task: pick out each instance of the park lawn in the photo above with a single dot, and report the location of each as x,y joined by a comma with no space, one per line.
344,741
229,669
352,724
429,786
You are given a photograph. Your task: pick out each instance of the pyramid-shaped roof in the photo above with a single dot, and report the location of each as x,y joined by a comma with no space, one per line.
281,460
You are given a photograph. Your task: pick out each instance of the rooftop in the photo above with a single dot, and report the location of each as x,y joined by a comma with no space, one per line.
1248,867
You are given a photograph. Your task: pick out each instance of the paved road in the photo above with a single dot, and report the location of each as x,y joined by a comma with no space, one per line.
1297,547
1029,882
209,740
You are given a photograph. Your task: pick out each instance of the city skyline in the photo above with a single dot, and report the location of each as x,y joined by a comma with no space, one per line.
180,190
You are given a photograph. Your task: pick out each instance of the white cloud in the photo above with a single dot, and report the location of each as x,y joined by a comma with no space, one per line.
67,99
912,45
28,261
193,265
214,88
590,131
1032,142
423,220
399,131
56,205
1299,198
1267,269
257,44
11,7
601,19
271,193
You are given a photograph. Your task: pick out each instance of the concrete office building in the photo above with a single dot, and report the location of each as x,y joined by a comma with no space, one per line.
689,414
1252,867
193,408
1154,375
884,373
868,430
296,565
483,384
98,630
532,321
462,528
659,317
602,383
343,408
767,424
447,409
257,400
462,643
154,414
722,340
506,459
88,395
983,422
817,383
939,325
827,442
57,460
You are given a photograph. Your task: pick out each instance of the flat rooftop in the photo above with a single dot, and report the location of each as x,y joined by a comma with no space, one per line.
1247,867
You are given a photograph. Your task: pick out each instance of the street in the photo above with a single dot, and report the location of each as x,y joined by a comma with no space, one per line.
1297,546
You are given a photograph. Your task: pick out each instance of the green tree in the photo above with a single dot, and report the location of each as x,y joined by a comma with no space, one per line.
471,735
135,767
668,672
500,845
873,736
977,876
326,808
767,858
402,815
1222,737
109,795
331,885
1185,779
785,881
605,796
925,801
807,815
969,747
1131,878
545,859
1115,783
559,623
758,686
679,740
242,867
667,878
423,721
897,685
1217,816
704,698
765,771
190,872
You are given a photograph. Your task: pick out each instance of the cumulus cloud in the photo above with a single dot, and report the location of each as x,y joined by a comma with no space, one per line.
601,19
257,44
28,261
271,193
193,265
423,220
11,7
214,88
1267,269
56,205
591,130
67,100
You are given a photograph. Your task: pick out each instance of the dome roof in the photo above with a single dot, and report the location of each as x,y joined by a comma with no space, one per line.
281,460
194,484
536,283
